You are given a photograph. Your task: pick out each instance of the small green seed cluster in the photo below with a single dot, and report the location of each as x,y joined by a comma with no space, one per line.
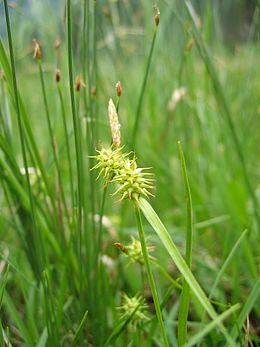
135,307
134,250
110,162
116,166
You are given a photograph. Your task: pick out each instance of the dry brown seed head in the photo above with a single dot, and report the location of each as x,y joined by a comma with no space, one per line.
157,16
79,83
37,50
94,91
118,89
121,247
58,75
57,43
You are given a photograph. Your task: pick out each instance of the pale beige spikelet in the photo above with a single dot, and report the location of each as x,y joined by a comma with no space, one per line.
114,123
177,95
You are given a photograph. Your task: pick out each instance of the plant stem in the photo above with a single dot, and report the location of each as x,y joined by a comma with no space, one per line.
36,237
141,96
185,295
55,156
66,133
150,274
80,187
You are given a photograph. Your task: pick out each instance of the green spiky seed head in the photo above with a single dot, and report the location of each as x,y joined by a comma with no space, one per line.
134,251
110,161
133,181
135,307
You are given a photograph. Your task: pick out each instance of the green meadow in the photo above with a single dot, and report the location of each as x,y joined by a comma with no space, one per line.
129,173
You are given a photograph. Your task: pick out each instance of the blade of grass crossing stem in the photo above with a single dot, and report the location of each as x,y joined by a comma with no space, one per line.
221,99
43,338
2,342
185,294
141,96
24,332
35,235
150,274
119,329
174,253
212,325
249,304
226,263
2,289
79,330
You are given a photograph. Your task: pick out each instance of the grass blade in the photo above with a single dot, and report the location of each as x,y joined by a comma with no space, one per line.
212,325
79,330
226,263
150,275
173,251
185,295
249,304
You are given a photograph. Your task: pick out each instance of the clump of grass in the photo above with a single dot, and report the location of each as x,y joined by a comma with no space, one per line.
61,277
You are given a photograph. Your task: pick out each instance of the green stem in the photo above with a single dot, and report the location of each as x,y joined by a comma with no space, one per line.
150,274
80,188
141,96
67,144
185,295
54,149
36,237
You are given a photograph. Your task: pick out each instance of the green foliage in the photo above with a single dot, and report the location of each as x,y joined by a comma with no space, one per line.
61,276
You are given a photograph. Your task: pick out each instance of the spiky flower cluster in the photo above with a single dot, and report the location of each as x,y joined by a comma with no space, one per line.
116,167
110,162
133,307
134,250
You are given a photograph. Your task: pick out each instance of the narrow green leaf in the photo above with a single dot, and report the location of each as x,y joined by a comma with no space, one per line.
249,304
212,325
2,289
185,295
23,330
79,330
43,338
119,329
226,263
173,251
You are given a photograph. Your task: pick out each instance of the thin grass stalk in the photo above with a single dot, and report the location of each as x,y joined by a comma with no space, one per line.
141,95
4,119
36,237
84,53
94,75
185,295
66,133
150,274
50,130
80,187
49,312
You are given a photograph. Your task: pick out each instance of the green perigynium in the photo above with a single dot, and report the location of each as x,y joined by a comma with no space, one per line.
134,250
110,161
116,167
135,307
